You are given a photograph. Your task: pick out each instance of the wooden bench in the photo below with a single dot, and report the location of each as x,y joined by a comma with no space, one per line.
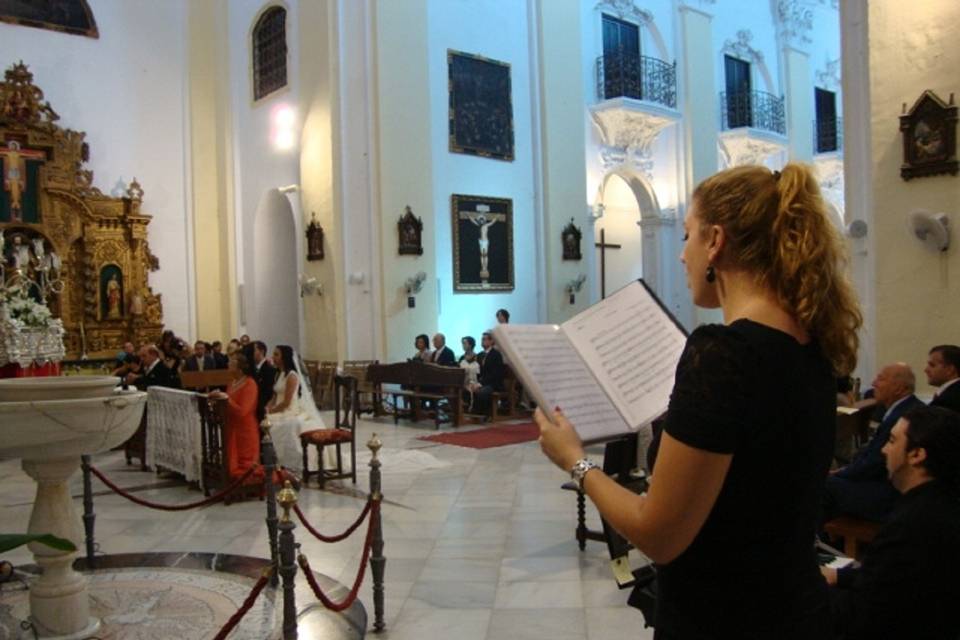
367,397
420,381
853,531
203,380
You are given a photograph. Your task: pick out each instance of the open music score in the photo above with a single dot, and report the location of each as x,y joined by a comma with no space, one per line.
609,368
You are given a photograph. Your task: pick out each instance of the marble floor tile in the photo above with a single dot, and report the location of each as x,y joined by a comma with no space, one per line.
565,594
451,595
540,569
459,569
538,624
422,624
604,623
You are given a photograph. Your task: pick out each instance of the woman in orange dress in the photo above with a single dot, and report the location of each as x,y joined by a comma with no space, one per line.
242,441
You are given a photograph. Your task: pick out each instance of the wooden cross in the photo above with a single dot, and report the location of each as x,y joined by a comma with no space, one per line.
603,246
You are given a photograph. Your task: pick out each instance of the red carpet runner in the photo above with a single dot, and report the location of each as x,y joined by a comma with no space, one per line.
489,437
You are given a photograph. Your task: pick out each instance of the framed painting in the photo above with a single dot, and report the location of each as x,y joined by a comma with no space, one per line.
929,132
481,109
410,232
482,243
66,16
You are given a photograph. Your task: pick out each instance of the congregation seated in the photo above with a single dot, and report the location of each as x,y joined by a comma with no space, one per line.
442,354
200,360
490,377
861,489
422,345
469,360
943,372
220,359
907,584
154,371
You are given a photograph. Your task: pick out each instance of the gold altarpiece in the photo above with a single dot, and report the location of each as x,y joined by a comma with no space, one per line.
47,196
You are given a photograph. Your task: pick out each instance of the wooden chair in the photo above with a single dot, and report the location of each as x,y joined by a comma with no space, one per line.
343,432
853,531
213,464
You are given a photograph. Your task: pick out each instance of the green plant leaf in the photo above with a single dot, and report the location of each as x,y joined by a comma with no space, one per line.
10,541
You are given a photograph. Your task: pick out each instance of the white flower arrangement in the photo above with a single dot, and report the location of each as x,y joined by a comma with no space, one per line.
23,312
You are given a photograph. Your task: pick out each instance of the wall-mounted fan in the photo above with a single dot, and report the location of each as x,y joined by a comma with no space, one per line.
932,228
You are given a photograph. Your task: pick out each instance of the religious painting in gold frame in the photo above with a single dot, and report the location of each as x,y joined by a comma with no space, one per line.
929,131
482,243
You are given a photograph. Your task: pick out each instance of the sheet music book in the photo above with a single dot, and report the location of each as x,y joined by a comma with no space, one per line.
610,368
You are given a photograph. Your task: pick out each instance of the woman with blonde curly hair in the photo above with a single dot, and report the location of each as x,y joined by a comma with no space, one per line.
731,514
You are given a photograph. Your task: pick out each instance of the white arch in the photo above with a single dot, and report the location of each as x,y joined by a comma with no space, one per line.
276,314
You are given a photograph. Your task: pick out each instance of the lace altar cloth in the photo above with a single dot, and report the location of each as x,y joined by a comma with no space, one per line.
173,432
27,346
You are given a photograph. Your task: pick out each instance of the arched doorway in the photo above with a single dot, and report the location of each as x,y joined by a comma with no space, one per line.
276,314
621,260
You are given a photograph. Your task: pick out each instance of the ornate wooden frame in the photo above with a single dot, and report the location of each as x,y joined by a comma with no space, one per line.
314,239
929,131
481,106
570,237
86,228
410,234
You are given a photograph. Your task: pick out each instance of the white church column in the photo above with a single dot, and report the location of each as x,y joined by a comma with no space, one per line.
794,23
699,106
405,168
562,140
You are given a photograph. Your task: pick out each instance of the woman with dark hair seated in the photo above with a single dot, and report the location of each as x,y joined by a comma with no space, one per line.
422,345
242,441
292,410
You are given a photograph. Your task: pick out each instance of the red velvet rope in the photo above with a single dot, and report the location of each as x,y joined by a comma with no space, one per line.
245,607
322,538
180,507
352,596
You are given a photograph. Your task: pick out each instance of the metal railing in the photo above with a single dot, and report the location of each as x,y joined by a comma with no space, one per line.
757,109
828,135
626,75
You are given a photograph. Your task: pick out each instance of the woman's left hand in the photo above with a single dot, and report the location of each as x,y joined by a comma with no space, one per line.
558,439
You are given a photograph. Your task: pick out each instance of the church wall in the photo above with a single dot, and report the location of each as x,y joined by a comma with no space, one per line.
917,290
127,91
499,30
405,153
258,165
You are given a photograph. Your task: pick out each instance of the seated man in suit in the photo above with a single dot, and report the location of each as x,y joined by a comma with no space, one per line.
907,584
490,378
943,371
154,372
200,360
442,354
861,489
264,373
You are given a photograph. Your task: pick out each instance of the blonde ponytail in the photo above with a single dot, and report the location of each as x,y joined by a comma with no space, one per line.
778,229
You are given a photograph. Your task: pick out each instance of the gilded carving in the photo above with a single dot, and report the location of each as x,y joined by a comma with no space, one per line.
89,229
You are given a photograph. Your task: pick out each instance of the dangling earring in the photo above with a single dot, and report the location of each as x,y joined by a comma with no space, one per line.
711,274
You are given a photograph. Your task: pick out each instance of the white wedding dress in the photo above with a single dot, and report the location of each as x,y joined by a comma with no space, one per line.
302,415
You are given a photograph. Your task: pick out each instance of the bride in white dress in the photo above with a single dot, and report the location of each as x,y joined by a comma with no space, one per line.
292,410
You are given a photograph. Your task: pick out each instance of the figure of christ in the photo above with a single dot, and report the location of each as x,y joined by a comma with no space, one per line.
15,175
484,220
113,298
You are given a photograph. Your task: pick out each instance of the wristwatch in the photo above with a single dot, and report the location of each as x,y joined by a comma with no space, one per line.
580,469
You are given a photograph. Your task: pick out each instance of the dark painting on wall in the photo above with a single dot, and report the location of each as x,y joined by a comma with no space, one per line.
482,243
67,16
481,110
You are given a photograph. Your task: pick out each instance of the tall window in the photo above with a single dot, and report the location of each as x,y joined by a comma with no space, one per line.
270,52
621,59
826,105
738,106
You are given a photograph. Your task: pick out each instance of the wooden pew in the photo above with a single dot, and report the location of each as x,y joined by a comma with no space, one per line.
203,380
370,401
420,381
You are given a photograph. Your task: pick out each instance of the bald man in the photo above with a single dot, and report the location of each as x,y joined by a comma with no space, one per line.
861,489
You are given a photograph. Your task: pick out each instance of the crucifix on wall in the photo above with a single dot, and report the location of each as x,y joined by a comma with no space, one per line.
482,243
18,198
603,246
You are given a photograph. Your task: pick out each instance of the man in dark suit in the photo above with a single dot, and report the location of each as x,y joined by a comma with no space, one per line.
220,359
154,373
861,489
264,373
943,371
490,378
906,586
442,354
200,360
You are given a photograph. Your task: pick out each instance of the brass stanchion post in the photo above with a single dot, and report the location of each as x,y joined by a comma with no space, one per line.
89,517
288,564
377,561
268,456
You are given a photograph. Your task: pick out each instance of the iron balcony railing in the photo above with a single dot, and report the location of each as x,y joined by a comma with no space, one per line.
626,75
757,109
828,135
